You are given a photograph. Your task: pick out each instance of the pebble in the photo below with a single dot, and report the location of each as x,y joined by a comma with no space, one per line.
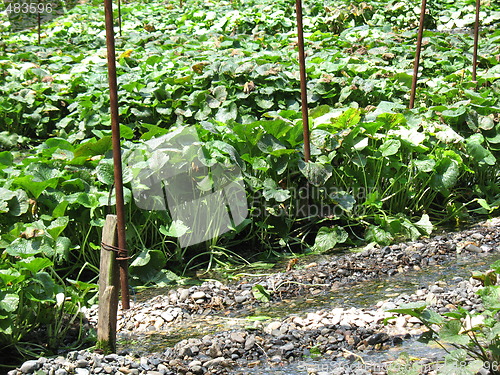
29,367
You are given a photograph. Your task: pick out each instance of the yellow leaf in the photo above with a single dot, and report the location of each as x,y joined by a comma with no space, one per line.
127,53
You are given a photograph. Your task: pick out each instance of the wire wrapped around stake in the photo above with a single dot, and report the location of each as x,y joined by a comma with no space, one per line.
122,254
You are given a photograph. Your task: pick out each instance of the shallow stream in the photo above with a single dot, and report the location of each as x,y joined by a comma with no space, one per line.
363,295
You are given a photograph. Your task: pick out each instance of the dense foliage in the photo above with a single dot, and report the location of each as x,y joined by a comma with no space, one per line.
379,171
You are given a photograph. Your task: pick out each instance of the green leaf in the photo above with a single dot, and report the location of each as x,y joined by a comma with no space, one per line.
490,296
93,147
268,143
414,309
105,172
35,187
151,258
24,248
448,172
8,301
344,200
5,196
450,332
478,152
454,112
57,226
431,317
260,293
227,113
316,173
376,234
327,238
176,229
41,288
62,248
426,165
404,78
6,159
271,191
390,147
126,132
35,264
425,225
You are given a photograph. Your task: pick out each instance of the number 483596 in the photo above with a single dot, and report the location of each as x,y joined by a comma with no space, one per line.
28,8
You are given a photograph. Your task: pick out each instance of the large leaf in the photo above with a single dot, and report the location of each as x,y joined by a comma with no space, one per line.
41,288
448,172
424,225
316,173
272,191
176,229
451,332
8,301
390,147
5,196
105,172
328,237
6,159
93,148
35,264
24,248
57,226
35,187
480,154
268,143
414,309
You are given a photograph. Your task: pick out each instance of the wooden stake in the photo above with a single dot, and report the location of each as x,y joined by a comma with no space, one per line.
109,284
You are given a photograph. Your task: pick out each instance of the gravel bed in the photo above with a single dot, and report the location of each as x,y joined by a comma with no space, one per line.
337,333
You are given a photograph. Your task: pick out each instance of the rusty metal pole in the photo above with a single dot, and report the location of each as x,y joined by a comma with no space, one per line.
303,80
120,16
476,42
417,55
115,128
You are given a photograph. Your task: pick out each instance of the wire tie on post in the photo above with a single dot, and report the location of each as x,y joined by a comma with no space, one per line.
122,254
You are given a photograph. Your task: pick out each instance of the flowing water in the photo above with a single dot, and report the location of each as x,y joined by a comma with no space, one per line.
363,295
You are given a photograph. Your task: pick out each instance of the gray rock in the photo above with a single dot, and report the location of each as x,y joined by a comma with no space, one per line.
436,289
215,351
198,295
82,371
183,294
287,347
167,316
110,357
219,361
377,338
162,368
473,248
249,342
240,298
237,337
29,367
81,363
